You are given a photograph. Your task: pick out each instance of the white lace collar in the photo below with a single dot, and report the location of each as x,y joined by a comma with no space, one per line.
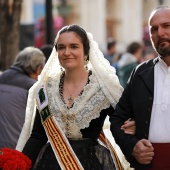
86,106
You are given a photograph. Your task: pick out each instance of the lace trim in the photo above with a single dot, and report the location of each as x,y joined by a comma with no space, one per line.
86,106
62,82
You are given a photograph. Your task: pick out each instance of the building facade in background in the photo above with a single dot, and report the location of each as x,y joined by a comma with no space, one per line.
125,21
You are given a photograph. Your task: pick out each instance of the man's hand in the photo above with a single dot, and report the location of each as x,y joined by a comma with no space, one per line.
143,151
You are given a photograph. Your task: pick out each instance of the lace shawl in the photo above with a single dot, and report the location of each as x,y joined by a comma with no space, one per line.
87,106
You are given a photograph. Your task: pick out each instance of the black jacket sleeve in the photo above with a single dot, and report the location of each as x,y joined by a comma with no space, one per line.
36,141
123,112
136,103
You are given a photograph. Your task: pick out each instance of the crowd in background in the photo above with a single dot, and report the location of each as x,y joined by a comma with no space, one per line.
125,62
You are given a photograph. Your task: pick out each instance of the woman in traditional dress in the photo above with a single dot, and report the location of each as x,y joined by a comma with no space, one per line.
75,92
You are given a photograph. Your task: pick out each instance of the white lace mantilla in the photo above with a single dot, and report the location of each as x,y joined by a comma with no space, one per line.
86,106
82,113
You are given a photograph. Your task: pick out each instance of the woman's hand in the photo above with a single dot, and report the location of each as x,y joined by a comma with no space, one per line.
129,127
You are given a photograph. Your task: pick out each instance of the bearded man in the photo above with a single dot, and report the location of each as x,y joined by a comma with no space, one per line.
146,99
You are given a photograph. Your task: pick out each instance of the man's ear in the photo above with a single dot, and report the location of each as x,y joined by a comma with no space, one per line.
38,70
36,73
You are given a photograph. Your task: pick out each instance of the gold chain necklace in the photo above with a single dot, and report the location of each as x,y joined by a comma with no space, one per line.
71,99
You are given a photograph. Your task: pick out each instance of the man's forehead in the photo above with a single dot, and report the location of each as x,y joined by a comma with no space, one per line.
158,13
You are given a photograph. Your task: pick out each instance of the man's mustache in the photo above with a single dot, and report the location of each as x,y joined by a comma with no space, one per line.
163,40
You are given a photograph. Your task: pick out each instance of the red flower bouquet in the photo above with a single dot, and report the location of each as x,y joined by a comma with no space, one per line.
11,159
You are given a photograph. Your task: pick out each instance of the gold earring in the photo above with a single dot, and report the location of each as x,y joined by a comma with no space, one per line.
61,68
85,63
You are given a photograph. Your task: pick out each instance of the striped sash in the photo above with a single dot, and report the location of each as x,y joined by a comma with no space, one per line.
62,149
108,145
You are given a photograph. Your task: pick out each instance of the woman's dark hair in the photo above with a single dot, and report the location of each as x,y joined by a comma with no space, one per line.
81,33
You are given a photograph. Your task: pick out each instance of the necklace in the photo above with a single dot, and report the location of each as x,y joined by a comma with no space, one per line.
71,99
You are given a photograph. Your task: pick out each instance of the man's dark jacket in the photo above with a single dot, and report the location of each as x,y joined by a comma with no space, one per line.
136,103
14,86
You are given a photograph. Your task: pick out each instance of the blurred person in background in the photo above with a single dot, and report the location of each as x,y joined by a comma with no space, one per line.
14,85
115,61
130,59
111,50
149,54
47,49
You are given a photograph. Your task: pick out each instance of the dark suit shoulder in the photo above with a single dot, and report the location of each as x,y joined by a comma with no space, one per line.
143,67
146,64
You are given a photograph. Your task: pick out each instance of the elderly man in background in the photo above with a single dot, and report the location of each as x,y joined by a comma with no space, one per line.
14,85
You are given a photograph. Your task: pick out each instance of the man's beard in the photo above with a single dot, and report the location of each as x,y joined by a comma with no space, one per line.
161,49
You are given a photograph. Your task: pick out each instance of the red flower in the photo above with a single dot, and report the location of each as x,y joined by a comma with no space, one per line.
11,159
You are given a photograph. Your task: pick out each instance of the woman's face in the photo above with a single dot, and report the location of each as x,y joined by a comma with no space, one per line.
70,51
